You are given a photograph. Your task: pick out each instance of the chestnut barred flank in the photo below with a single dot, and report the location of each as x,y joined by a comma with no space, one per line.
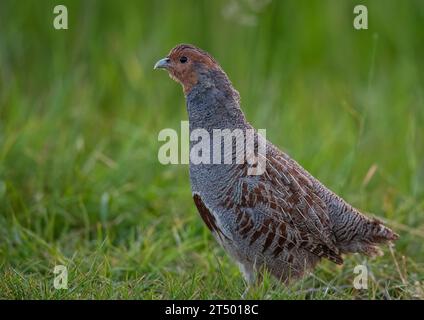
283,220
206,215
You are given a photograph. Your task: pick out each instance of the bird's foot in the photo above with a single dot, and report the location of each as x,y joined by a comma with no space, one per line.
245,293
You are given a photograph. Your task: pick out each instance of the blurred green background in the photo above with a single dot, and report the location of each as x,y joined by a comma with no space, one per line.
80,111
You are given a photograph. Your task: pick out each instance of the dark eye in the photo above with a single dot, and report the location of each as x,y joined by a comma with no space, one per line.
183,59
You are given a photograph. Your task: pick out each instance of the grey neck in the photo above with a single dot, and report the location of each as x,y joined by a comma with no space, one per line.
213,103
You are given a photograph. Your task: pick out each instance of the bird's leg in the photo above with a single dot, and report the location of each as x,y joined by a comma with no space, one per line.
249,277
245,292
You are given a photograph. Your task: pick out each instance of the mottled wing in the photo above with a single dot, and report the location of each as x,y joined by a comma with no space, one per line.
292,214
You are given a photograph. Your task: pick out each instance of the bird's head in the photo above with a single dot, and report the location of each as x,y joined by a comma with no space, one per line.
186,63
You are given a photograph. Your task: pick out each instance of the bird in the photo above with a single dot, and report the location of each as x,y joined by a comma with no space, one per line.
283,221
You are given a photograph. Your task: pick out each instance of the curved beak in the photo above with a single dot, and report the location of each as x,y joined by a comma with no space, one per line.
162,63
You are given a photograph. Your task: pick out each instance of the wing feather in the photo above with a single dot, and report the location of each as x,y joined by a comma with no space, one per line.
295,215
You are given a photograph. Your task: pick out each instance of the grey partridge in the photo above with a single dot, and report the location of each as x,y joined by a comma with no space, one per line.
283,220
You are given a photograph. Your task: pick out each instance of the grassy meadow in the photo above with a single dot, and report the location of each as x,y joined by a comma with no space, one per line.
81,109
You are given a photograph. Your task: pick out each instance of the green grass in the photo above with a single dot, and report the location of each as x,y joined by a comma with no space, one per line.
80,111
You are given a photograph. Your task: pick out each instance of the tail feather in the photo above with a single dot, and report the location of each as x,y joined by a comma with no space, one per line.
353,231
375,233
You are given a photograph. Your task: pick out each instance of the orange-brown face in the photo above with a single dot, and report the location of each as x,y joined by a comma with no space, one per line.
184,63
